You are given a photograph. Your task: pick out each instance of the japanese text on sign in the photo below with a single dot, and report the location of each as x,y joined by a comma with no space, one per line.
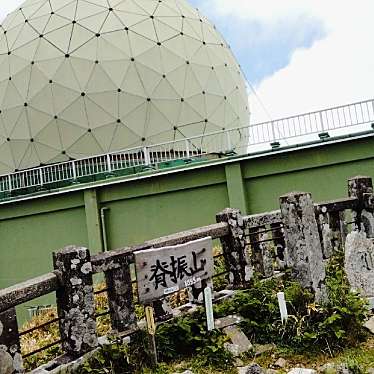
163,271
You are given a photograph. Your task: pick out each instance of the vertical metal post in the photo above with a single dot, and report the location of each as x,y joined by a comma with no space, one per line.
229,145
109,163
146,156
41,177
187,148
10,182
273,131
321,119
74,170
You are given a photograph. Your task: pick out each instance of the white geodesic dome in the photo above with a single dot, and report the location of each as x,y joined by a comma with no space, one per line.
85,77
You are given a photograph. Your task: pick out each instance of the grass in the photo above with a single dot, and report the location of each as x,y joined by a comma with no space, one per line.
361,356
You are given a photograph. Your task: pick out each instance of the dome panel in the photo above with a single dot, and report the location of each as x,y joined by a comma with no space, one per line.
82,77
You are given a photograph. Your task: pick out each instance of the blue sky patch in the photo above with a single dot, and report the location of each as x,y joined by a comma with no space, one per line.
263,49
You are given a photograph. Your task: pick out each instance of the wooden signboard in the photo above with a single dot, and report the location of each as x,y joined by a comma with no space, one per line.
163,271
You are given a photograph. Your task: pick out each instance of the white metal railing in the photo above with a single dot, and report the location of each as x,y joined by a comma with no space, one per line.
336,118
241,140
147,156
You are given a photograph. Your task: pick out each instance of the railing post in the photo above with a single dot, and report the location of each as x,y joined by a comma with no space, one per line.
109,163
322,124
120,296
75,301
361,187
146,156
235,248
41,177
74,169
304,251
229,145
10,356
10,182
187,143
273,132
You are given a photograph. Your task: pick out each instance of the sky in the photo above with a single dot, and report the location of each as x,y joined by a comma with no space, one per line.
297,55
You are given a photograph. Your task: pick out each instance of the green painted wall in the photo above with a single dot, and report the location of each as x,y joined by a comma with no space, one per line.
323,171
138,219
161,204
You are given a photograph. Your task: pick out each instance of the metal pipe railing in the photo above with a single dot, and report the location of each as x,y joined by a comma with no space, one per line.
331,119
240,138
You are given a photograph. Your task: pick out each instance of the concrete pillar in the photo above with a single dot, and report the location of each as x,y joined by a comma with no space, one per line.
235,248
10,356
120,297
93,222
75,301
235,187
304,251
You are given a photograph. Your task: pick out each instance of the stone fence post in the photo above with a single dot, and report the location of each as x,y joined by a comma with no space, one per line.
304,251
120,296
75,301
10,356
362,188
235,249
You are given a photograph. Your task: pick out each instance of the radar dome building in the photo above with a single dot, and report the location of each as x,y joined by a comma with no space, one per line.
85,77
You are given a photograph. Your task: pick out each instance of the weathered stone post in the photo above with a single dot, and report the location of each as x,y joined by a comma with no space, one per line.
333,230
280,244
75,300
362,188
304,252
262,259
120,296
235,249
10,356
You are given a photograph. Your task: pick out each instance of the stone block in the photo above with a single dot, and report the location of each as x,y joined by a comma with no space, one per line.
304,250
251,369
302,371
328,368
371,302
6,362
359,263
235,249
370,325
221,323
264,348
240,342
280,363
75,301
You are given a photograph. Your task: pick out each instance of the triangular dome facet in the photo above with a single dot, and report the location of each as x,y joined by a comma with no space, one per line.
80,77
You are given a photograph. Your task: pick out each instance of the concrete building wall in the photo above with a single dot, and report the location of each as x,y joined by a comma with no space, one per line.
160,204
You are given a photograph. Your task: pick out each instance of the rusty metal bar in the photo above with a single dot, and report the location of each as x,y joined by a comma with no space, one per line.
39,327
42,349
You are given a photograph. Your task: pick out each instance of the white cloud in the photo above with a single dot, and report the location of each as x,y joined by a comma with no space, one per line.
335,70
7,6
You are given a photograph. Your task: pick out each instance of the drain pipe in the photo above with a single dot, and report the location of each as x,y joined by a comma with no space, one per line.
103,228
